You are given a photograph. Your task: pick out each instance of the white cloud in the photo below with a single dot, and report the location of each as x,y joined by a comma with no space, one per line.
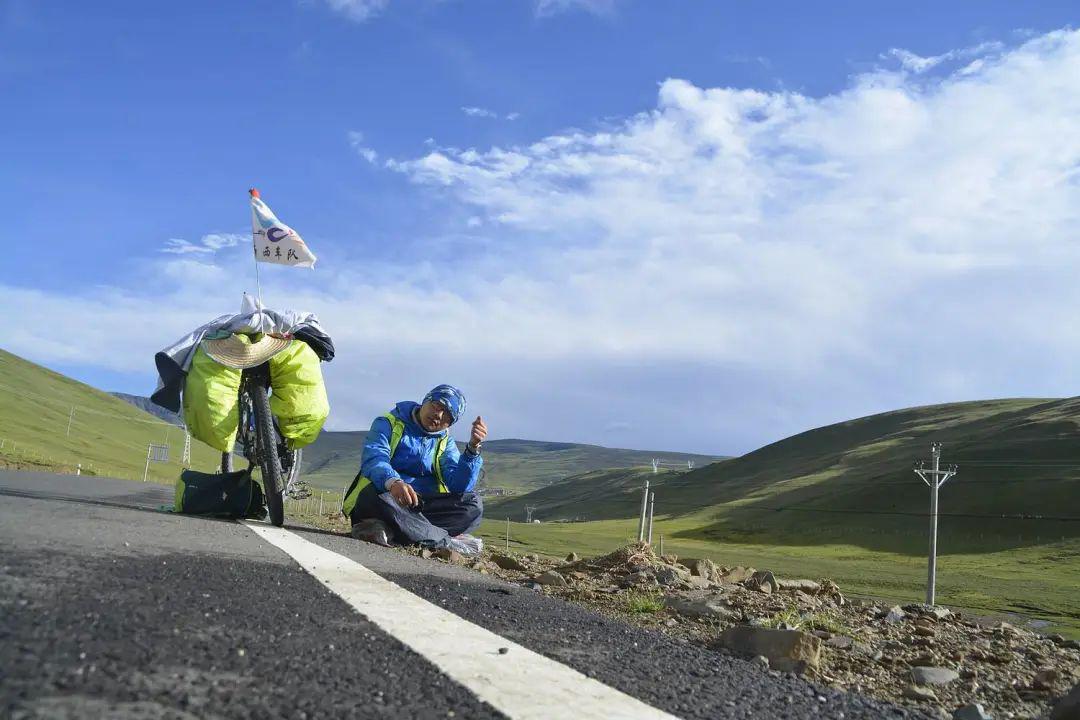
545,8
356,140
207,245
358,10
480,112
721,270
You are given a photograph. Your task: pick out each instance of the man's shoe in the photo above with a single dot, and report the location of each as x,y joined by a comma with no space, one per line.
372,530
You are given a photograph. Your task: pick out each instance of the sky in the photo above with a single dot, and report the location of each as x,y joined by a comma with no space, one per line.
693,226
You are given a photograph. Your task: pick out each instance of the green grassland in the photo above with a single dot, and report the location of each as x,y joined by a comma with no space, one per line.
107,436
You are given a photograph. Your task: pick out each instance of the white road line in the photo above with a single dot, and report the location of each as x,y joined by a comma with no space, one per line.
520,683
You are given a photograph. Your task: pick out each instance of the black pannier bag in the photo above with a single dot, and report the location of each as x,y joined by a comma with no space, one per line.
226,495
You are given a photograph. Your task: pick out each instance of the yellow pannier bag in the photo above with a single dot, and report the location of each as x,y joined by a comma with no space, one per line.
299,398
211,402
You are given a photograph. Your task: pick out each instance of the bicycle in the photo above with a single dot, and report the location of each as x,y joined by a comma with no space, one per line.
262,444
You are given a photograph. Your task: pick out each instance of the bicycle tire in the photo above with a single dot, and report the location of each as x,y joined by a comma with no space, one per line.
266,447
227,462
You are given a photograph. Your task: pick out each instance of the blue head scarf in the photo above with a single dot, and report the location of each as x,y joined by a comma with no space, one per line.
451,397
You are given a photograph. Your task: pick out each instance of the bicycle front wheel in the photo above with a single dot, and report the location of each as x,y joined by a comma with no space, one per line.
269,463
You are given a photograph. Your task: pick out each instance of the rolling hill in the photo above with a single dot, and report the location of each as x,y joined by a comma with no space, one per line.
51,422
1018,482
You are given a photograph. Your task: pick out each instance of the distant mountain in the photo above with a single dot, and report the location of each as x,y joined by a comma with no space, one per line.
144,404
511,465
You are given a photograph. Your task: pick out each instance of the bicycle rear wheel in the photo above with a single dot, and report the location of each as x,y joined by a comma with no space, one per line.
266,447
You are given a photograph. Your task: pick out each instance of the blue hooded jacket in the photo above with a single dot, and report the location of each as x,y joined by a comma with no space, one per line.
414,458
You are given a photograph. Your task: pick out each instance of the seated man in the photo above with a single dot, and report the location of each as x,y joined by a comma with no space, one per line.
414,485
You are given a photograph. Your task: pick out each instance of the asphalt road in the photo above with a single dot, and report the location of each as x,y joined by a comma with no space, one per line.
111,608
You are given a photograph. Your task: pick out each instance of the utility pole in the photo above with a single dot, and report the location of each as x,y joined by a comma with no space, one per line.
655,465
652,504
937,478
507,535
641,515
689,464
528,513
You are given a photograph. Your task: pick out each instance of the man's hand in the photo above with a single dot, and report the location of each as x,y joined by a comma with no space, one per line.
403,493
479,432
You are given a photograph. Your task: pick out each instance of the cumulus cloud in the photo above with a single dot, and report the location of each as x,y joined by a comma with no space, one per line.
727,267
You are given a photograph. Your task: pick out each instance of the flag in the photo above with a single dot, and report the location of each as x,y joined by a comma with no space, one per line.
276,242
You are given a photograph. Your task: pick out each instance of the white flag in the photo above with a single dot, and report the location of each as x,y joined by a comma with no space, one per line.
276,242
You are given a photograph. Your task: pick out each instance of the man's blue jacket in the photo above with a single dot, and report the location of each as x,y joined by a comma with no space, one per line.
414,457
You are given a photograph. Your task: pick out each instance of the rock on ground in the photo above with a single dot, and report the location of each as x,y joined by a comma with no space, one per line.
786,650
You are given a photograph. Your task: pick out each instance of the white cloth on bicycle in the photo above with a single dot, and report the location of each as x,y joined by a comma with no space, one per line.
174,361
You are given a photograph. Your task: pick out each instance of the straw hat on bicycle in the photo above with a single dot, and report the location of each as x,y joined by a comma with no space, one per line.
240,351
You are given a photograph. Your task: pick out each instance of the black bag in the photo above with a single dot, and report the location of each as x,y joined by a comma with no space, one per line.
228,495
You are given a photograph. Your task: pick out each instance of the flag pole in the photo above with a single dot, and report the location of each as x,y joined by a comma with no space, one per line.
255,253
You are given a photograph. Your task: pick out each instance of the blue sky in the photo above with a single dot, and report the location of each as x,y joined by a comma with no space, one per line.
695,226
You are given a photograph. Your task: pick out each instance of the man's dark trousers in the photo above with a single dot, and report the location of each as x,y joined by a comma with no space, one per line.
439,517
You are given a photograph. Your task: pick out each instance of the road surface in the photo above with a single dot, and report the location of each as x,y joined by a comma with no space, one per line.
110,607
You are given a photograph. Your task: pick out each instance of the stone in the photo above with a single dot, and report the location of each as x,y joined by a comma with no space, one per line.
701,605
786,650
703,568
763,581
572,557
806,586
697,582
551,578
739,574
1068,708
918,692
670,558
895,615
971,712
451,556
762,662
933,675
670,575
508,562
426,553
1045,678
925,631
841,642
806,600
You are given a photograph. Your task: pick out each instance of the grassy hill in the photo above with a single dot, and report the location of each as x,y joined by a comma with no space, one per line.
515,466
1018,481
107,436
843,501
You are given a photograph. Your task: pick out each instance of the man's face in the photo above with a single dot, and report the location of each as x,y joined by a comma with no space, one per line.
434,416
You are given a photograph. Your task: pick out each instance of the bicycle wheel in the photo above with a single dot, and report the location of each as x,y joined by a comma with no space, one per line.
266,449
226,462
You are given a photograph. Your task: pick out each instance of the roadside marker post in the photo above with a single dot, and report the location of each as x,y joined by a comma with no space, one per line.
937,478
641,515
652,504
